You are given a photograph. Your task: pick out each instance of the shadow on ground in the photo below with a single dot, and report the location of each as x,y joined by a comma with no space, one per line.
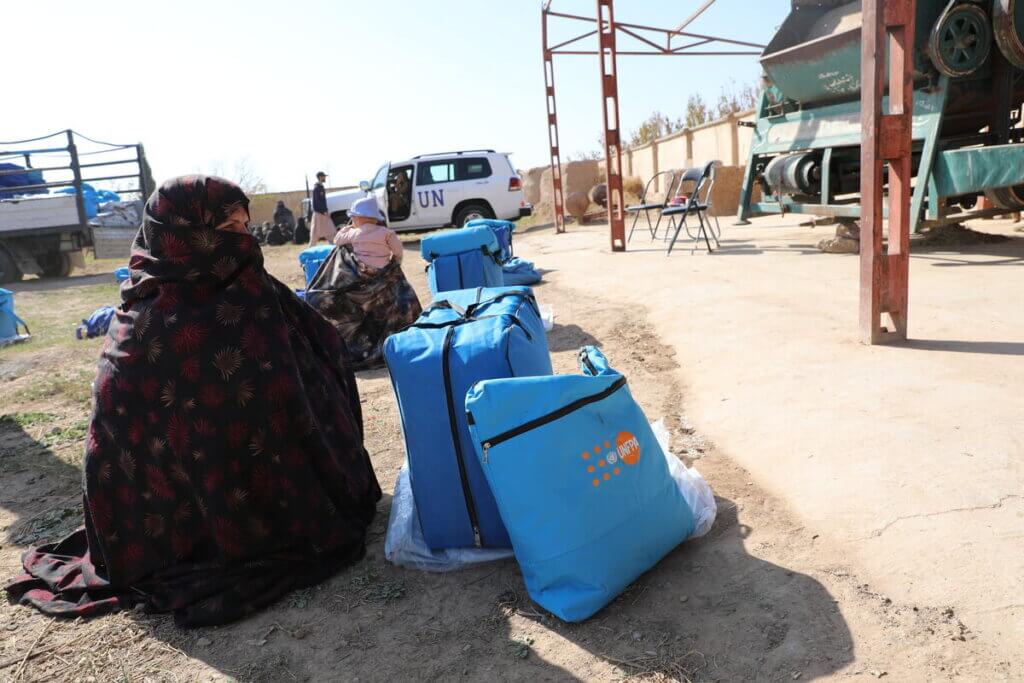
570,338
40,490
980,347
708,611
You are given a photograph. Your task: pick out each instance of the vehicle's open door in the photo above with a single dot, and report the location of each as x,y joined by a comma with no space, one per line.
379,188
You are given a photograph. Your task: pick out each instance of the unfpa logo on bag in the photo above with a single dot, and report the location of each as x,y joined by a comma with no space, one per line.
607,465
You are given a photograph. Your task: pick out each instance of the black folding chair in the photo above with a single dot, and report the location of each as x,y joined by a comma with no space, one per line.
647,204
703,180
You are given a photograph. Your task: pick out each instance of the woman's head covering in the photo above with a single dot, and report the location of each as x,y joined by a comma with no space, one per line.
200,202
366,208
224,463
178,241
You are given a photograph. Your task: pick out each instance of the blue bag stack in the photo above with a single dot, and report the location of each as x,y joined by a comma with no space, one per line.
464,337
502,232
312,257
462,259
514,270
581,483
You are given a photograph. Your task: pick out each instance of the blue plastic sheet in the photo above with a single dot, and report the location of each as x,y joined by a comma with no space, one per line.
97,324
517,271
29,177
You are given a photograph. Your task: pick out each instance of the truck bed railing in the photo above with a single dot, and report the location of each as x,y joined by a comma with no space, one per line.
23,152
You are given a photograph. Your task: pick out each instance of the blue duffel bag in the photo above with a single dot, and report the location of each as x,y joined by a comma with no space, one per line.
502,232
464,337
312,258
462,259
581,482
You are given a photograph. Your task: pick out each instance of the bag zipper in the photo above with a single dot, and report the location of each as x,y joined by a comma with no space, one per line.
467,492
550,417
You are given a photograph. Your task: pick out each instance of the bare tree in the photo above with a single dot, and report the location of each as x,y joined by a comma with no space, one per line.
242,173
656,126
736,98
697,111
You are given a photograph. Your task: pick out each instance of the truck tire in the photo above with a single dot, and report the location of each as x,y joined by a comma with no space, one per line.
340,218
470,212
1009,198
9,271
55,264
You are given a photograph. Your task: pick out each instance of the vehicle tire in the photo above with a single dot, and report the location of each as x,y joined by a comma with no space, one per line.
1009,198
9,271
55,264
340,218
471,212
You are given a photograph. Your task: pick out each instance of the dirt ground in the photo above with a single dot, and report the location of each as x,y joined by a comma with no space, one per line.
761,597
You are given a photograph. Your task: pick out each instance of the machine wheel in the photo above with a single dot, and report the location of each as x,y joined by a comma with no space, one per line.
471,212
1008,23
9,271
55,264
961,40
1009,198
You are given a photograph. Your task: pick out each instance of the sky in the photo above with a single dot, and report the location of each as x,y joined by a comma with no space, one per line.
292,87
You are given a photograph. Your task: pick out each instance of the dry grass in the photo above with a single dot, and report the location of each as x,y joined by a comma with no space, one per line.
123,647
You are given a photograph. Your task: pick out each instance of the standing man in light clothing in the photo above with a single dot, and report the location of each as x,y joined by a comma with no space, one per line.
322,227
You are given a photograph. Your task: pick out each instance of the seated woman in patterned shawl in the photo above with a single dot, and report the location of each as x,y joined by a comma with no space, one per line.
224,462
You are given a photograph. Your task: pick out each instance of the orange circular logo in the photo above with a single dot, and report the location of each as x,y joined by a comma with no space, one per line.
628,448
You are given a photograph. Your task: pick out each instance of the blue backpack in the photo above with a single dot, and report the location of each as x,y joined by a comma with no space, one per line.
464,337
462,259
581,482
502,232
9,320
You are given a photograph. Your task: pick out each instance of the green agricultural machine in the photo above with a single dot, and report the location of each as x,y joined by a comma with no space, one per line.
968,90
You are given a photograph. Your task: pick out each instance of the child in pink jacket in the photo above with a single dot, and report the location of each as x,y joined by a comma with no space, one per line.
372,242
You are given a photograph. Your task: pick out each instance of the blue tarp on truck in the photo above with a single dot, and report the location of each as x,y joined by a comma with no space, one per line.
29,177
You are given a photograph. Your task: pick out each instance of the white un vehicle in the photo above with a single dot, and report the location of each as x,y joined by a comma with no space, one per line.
438,190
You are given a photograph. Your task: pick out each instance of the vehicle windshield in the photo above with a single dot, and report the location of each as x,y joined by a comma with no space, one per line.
380,179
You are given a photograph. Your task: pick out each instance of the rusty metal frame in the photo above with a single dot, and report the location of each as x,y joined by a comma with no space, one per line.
656,42
884,272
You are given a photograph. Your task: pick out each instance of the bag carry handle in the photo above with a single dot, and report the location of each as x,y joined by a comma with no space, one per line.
470,311
23,323
593,363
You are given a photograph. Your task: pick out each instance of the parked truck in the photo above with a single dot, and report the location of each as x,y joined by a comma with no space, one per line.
968,90
47,199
